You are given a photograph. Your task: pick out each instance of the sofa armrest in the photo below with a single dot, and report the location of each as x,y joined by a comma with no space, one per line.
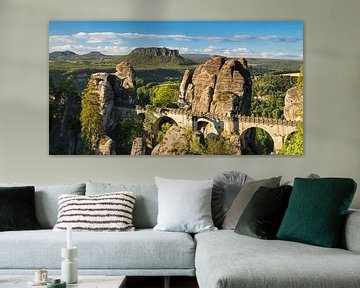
351,234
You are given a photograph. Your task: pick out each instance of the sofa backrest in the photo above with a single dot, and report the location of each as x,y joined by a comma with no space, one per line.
46,200
146,203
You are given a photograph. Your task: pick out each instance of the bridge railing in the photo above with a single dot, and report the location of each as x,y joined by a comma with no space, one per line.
220,116
267,121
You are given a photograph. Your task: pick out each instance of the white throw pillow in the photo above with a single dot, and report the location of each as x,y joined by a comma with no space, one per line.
184,205
105,212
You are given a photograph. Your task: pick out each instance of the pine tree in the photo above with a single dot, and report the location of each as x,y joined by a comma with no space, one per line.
90,117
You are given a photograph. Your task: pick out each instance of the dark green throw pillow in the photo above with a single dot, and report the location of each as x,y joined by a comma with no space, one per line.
17,208
316,211
263,214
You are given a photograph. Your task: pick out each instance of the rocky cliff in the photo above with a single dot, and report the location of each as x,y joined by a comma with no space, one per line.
116,92
218,86
174,143
293,104
154,56
139,146
156,51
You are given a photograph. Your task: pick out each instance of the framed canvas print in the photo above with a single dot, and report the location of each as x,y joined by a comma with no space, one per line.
176,88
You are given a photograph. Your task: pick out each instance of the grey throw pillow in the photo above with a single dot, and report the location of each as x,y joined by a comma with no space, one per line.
226,187
184,205
242,199
310,176
146,205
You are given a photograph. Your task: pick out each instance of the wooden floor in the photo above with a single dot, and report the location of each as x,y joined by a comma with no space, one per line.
158,282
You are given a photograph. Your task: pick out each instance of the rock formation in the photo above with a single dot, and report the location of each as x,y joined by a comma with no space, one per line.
154,55
156,51
173,143
115,90
63,137
106,96
139,146
106,146
184,86
126,73
293,104
218,86
235,141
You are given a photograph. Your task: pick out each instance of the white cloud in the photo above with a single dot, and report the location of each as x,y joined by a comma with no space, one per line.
234,38
111,37
279,55
116,50
114,43
62,48
105,37
81,49
210,49
182,50
61,39
158,36
265,38
240,52
214,50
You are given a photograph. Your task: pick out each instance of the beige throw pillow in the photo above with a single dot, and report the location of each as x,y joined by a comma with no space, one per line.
243,198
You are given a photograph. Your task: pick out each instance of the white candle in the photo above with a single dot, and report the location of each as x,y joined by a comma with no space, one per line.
69,237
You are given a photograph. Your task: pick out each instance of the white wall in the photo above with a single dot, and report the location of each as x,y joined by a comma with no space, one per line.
332,90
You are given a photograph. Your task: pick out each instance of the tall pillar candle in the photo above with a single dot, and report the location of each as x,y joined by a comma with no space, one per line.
69,237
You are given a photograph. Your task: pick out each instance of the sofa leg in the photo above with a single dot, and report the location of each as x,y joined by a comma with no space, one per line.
167,282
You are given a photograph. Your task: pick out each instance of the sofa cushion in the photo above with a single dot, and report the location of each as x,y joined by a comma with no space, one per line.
225,259
17,208
184,205
146,205
105,212
243,198
350,239
46,200
226,187
263,215
143,249
317,210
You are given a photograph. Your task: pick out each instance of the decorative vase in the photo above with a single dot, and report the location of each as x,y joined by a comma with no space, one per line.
69,271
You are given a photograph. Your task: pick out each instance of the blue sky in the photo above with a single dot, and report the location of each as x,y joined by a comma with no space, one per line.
258,39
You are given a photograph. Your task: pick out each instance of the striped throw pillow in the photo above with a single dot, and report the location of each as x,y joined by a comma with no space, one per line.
105,212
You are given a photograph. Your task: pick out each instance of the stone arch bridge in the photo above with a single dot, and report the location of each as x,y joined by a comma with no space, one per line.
278,129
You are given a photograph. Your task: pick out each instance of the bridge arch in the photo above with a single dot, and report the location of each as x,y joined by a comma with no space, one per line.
278,129
247,144
288,136
141,116
268,131
208,126
161,121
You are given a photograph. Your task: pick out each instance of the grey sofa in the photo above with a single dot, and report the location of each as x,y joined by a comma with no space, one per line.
218,259
226,259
